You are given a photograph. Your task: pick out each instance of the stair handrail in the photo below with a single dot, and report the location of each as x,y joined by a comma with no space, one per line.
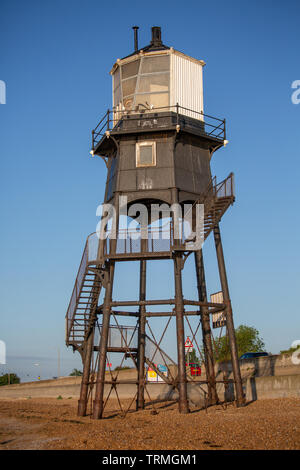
223,184
75,292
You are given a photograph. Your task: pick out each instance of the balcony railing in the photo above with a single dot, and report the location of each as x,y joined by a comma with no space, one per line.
158,118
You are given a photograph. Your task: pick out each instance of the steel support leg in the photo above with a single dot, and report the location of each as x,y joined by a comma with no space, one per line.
206,331
179,308
240,399
141,338
99,392
82,402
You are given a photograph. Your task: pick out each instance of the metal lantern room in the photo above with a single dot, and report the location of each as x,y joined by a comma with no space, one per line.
158,77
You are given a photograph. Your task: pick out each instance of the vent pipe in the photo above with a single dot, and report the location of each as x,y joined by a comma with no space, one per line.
136,43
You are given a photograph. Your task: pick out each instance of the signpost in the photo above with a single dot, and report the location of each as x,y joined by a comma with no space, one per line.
188,345
218,319
188,348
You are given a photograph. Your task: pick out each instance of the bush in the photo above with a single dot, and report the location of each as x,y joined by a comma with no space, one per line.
8,379
289,351
75,373
247,340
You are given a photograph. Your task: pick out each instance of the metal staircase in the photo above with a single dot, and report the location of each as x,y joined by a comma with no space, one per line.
81,311
216,201
221,197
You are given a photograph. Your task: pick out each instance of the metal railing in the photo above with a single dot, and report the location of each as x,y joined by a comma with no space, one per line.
119,336
215,191
89,256
153,240
76,290
207,125
223,189
226,187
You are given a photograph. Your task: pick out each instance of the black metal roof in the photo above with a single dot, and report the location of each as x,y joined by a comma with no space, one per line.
156,43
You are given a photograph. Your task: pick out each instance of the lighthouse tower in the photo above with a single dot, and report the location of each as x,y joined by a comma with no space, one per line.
157,144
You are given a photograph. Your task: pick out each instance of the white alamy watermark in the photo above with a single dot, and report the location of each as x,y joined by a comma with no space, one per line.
179,223
296,354
2,92
296,94
2,352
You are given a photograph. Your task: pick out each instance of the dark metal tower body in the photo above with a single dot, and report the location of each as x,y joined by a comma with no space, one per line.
156,152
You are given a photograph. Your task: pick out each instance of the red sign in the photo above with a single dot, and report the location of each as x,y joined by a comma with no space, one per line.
188,344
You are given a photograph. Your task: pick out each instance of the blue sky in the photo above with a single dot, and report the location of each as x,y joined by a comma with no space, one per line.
55,61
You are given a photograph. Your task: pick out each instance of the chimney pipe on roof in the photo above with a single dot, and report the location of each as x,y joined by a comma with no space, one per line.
156,36
136,46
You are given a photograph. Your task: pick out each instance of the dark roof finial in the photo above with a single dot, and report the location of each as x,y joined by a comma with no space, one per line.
156,36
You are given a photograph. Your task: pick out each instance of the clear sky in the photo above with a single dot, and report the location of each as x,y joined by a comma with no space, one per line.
55,61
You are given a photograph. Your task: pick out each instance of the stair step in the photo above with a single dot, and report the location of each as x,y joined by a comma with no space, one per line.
96,284
82,313
87,291
81,308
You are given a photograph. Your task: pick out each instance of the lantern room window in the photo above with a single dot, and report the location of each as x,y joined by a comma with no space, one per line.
145,154
142,84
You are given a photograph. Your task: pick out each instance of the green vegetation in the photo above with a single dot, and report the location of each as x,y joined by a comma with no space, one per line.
75,373
247,339
122,368
8,379
192,358
59,397
289,351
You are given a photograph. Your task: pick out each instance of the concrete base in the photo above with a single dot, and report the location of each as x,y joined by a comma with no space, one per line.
285,386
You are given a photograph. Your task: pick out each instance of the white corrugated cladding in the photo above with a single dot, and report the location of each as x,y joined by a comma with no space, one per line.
186,84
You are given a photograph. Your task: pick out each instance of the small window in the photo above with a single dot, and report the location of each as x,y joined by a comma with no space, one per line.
145,154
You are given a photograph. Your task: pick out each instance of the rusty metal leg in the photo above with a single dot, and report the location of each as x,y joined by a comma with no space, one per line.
240,399
141,338
89,348
206,331
179,309
99,392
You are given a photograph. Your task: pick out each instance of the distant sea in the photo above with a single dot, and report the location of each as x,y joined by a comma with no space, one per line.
31,368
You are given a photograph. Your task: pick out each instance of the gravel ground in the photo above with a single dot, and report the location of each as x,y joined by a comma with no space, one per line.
53,424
